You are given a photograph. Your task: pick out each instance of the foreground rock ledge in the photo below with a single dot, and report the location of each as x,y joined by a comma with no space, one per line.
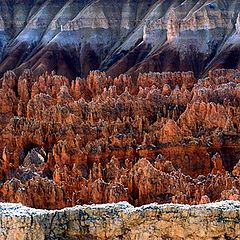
122,221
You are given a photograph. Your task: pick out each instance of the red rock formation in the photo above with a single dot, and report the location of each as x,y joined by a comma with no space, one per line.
218,165
161,138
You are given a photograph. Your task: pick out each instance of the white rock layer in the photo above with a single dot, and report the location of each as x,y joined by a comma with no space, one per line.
122,221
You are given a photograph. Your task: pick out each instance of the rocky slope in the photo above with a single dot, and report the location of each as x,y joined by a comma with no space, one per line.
164,137
122,221
73,37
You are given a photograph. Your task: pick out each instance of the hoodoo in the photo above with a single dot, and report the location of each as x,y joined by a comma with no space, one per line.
119,119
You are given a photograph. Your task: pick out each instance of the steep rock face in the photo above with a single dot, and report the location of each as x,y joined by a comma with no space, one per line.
186,35
163,137
122,221
74,37
71,37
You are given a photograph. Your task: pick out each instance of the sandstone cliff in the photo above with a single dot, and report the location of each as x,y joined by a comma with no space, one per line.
122,221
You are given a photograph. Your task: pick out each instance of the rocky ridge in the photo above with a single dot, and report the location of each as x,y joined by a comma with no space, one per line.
122,221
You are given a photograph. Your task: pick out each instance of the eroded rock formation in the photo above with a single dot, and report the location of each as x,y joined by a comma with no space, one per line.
127,36
163,137
122,221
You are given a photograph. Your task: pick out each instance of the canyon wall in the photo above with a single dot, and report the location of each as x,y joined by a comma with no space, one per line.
122,221
74,37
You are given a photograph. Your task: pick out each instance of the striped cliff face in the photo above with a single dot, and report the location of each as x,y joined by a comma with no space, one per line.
74,37
71,37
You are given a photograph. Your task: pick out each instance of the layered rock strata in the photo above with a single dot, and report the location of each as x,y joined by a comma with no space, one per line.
73,37
164,137
122,221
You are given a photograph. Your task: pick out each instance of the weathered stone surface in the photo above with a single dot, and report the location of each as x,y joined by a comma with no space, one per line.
122,221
